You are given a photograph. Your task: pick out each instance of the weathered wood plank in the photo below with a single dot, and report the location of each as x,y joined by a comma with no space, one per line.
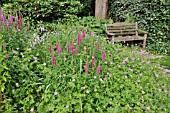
120,31
121,27
122,24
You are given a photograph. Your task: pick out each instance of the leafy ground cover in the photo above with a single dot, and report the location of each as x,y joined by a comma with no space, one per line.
72,70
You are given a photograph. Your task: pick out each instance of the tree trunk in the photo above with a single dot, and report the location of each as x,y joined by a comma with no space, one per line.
101,7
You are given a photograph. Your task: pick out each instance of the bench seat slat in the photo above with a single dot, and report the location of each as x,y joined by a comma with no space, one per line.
122,24
119,31
121,27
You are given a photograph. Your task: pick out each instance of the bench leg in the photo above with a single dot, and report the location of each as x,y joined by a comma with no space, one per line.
144,41
112,39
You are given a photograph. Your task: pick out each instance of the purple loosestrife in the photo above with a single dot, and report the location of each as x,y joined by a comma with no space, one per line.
104,56
51,49
98,69
58,48
20,21
84,33
93,64
87,68
16,20
3,15
10,19
53,60
98,47
0,21
4,46
8,26
78,39
72,49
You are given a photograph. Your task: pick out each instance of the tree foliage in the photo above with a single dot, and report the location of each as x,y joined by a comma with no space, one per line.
152,16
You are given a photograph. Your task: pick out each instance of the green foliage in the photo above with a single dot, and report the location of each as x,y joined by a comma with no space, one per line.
4,76
126,82
88,8
45,10
152,16
165,62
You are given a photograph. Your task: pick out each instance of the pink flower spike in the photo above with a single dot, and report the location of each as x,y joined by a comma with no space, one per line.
98,47
78,39
3,15
72,47
84,33
51,49
93,64
8,26
58,48
20,21
104,56
53,60
10,19
87,66
4,46
98,69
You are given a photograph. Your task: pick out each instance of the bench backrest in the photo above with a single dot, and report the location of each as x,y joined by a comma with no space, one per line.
123,28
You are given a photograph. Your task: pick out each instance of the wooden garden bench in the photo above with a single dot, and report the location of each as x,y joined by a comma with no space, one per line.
124,31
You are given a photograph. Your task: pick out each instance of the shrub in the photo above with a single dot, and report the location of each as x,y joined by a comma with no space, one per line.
88,8
153,16
45,10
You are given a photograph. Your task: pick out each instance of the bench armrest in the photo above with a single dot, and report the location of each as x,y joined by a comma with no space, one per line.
109,33
141,31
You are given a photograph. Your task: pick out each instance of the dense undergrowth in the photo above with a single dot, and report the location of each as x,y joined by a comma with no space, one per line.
72,69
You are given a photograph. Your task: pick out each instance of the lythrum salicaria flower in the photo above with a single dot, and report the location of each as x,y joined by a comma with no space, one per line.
87,68
4,46
98,69
8,26
98,47
3,15
72,48
51,49
58,48
104,56
53,60
10,19
84,33
78,39
93,64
